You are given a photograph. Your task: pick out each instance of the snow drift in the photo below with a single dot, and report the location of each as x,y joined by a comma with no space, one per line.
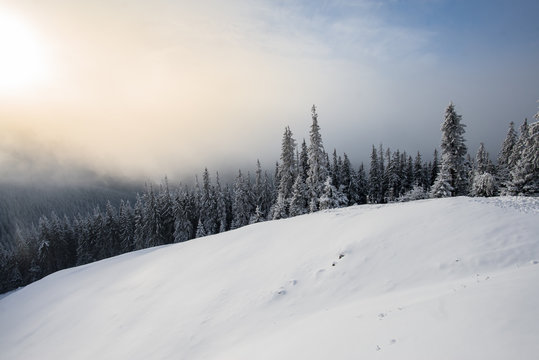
432,279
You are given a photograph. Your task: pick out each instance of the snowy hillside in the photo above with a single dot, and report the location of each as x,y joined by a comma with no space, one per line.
453,278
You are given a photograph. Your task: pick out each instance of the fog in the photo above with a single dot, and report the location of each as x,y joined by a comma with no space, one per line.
146,89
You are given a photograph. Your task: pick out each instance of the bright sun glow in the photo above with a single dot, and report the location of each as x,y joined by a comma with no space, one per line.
22,59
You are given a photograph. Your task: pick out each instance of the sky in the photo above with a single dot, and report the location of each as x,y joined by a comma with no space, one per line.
153,88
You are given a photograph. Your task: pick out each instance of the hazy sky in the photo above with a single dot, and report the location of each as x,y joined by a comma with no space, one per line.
169,87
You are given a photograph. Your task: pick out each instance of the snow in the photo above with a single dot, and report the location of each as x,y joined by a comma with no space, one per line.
431,279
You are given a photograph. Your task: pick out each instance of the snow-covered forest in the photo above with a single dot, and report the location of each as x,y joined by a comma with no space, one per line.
307,178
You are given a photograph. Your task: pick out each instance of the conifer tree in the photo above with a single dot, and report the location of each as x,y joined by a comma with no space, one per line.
257,216
241,203
221,206
139,240
453,152
183,226
419,179
441,187
299,201
362,185
335,170
394,176
201,231
435,168
349,181
127,230
484,183
208,206
525,174
303,163
317,172
504,157
287,169
375,179
331,197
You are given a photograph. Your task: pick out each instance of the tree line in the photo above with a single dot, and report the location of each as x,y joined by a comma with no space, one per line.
305,180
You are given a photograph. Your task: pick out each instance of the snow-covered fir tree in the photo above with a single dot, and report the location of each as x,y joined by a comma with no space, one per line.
362,185
139,239
519,145
183,225
241,204
331,197
299,203
525,174
287,170
375,178
303,160
208,205
453,153
435,168
257,217
165,220
484,182
221,207
441,187
349,181
317,171
504,157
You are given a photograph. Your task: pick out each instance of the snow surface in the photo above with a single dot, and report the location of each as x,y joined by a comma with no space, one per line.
449,278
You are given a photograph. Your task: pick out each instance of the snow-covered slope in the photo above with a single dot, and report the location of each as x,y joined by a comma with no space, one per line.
435,279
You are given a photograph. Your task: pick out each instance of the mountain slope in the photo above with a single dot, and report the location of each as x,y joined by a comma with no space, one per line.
445,279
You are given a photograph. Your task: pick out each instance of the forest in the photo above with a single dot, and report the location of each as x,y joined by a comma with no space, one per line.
306,179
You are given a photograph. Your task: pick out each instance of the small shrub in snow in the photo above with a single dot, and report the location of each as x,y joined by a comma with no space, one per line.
417,193
484,185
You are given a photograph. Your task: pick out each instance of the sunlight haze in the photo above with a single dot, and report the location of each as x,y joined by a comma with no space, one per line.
149,88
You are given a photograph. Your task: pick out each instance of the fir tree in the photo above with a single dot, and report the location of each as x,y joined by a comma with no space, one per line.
435,168
331,197
299,202
484,183
241,203
201,231
208,206
287,168
441,187
317,163
349,181
362,185
453,152
303,163
183,226
257,216
221,206
504,157
525,174
139,240
375,179
419,179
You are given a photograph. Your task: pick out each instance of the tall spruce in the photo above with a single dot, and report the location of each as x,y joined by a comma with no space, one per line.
453,152
525,174
287,171
317,172
504,157
375,178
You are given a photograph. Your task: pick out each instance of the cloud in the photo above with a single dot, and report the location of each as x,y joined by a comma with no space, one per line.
153,88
